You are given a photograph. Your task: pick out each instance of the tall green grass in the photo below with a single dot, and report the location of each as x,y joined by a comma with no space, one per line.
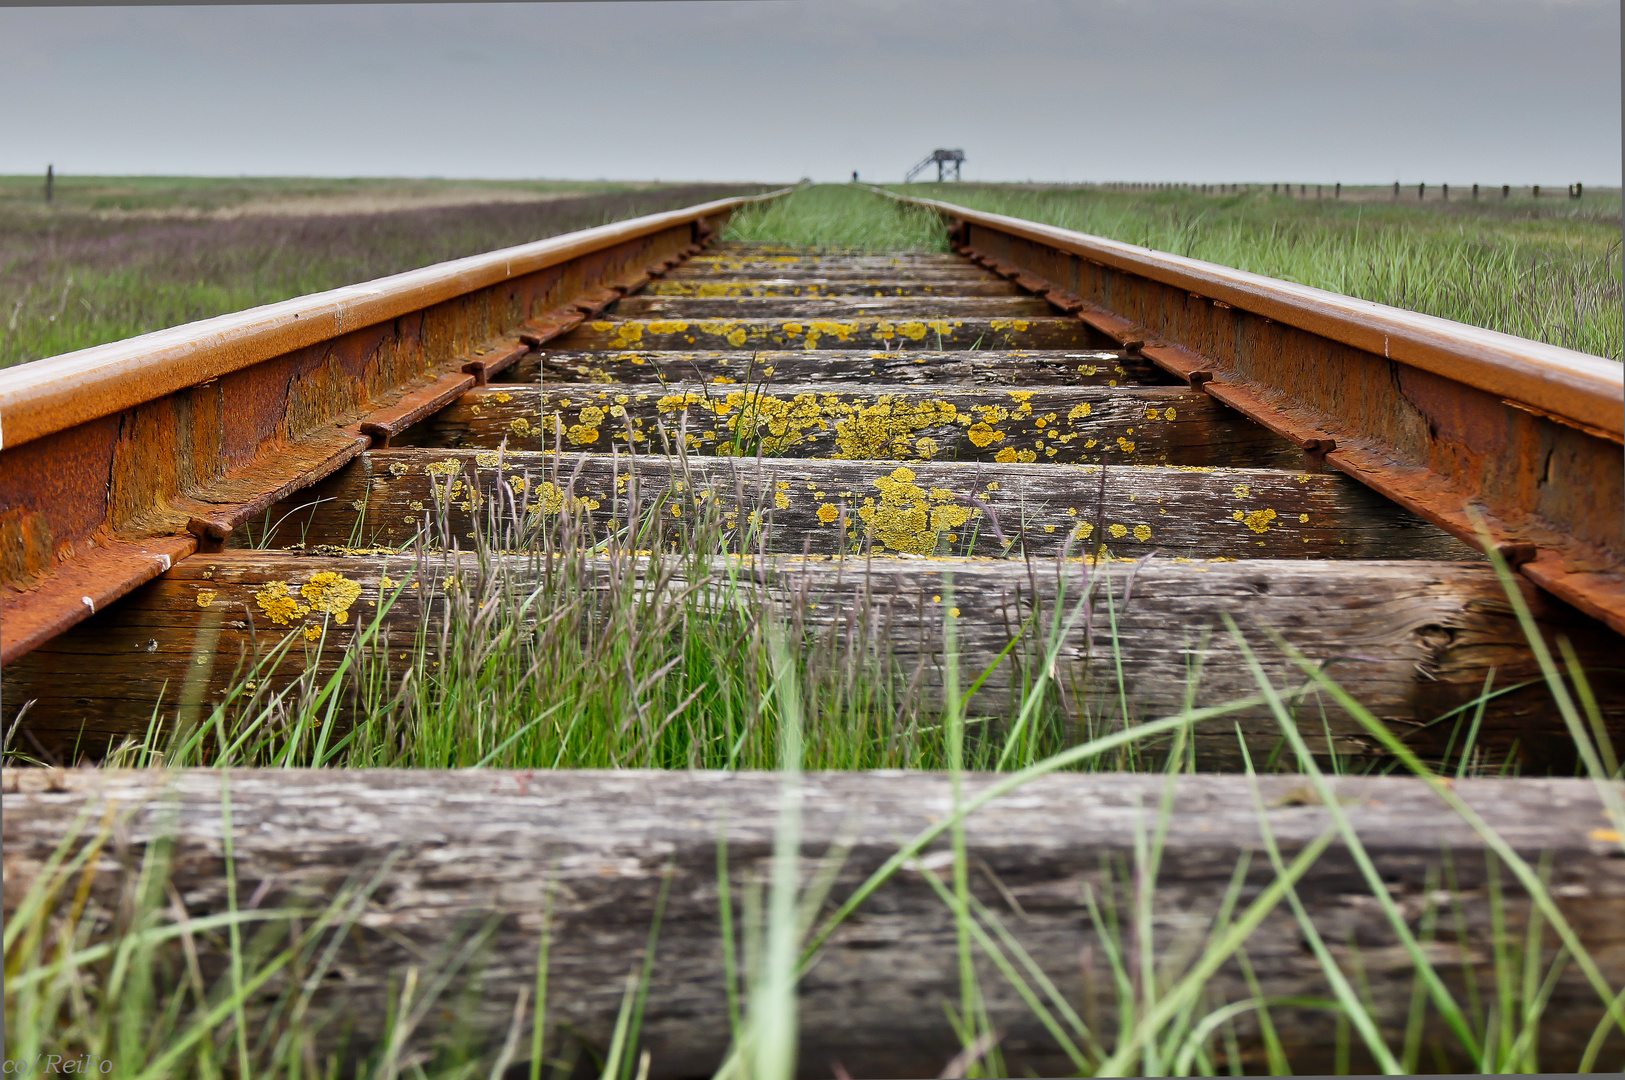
131,976
842,217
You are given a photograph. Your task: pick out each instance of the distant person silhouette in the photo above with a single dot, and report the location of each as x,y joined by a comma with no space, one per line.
854,176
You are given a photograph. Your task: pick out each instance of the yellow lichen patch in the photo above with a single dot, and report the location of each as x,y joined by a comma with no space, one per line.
676,510
1125,445
312,632
581,434
927,448
998,325
385,583
549,499
1153,414
502,397
737,337
780,423
1303,519
519,426
1142,533
908,518
1259,520
415,504
667,326
827,513
205,597
397,468
1242,491
627,335
914,331
1085,530
449,467
487,459
884,428
592,416
1168,413
617,411
332,593
781,500
1005,456
1117,531
982,434
279,605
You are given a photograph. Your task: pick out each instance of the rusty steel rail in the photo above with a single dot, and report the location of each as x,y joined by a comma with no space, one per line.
1469,428
120,460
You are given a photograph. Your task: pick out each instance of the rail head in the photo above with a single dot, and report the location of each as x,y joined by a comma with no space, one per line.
119,461
60,392
1509,444
1585,389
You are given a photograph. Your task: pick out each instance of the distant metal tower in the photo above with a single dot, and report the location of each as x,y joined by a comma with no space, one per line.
947,162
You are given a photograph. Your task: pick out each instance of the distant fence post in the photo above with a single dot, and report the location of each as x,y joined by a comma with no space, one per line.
1506,191
1577,191
1537,191
1421,190
1444,190
1396,189
50,182
1337,192
1475,192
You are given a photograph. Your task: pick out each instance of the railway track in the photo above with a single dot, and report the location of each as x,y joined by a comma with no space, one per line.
1035,418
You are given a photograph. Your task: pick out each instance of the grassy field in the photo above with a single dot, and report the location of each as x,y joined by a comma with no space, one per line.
1546,269
110,258
594,655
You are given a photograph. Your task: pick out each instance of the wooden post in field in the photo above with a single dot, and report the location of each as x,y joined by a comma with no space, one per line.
1445,192
1475,192
1536,191
50,182
1506,191
1337,191
1396,190
1421,191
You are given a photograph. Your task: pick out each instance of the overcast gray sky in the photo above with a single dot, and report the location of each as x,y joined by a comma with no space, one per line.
1361,91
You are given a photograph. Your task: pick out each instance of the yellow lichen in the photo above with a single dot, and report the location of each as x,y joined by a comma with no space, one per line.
280,606
519,426
449,467
981,434
1242,491
581,434
1142,533
907,517
205,597
397,468
1125,445
1258,521
828,513
332,593
1117,531
487,459
592,416
1005,456
1303,519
